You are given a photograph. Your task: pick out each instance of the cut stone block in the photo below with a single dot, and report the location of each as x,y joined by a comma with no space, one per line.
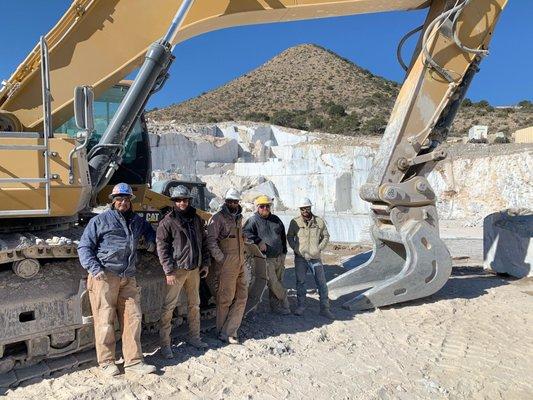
507,244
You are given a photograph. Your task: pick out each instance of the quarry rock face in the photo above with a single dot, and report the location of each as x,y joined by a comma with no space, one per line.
479,181
287,164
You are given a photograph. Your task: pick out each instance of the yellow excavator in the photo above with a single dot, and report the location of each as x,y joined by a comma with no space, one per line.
60,151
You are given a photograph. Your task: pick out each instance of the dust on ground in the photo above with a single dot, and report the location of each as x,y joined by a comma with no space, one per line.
471,340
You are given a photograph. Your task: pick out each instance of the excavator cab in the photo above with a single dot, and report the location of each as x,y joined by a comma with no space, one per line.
136,166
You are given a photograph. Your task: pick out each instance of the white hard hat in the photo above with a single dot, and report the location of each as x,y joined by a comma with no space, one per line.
305,202
232,194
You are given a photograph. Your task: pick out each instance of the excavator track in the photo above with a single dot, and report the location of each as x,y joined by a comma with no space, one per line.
51,330
45,368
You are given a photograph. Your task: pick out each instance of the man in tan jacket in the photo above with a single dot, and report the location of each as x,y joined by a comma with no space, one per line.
308,236
226,245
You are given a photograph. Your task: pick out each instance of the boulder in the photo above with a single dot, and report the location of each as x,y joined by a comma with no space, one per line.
507,244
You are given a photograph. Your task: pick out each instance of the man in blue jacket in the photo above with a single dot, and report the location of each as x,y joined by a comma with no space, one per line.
108,251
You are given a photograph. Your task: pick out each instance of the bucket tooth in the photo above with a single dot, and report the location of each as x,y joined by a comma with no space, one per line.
395,273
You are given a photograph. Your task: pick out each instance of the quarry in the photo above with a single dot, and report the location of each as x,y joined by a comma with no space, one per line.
423,288
471,340
473,182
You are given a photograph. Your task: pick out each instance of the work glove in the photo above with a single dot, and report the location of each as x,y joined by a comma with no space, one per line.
171,280
99,276
220,259
150,247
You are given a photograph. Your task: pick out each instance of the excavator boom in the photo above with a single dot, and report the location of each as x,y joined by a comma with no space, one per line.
99,42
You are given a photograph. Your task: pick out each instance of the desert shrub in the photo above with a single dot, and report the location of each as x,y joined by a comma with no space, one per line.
316,122
526,105
282,117
375,125
336,110
257,116
299,121
348,125
467,102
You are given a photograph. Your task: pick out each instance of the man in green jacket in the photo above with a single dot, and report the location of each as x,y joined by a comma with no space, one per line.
308,236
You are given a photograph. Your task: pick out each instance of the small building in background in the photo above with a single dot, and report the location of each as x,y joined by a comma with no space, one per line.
478,133
524,135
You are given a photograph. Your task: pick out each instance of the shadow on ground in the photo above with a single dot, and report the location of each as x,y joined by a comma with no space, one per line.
465,282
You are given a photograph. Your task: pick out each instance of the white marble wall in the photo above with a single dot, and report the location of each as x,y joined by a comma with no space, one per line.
303,165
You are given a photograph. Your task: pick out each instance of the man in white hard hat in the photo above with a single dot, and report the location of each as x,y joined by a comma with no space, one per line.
226,244
184,256
108,251
268,232
308,236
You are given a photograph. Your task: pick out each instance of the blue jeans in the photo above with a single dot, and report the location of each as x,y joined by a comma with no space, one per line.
301,265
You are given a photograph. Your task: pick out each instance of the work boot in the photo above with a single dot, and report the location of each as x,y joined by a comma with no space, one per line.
141,368
166,352
285,308
233,340
229,339
299,310
197,342
325,312
274,305
109,369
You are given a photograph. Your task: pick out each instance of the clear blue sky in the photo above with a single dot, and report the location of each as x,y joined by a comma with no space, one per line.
209,61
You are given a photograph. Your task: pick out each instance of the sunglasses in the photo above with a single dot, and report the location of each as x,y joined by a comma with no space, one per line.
264,206
181,200
305,208
121,199
232,201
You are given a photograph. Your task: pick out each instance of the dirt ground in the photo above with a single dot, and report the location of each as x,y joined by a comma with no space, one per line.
471,340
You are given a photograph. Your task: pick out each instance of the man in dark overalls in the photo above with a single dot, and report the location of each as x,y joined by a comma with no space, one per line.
226,245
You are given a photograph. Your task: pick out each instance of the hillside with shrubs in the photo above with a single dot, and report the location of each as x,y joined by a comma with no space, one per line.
311,88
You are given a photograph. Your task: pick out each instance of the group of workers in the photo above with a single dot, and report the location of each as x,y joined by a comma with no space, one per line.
188,250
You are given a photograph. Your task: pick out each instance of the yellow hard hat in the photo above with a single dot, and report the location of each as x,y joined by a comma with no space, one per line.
262,200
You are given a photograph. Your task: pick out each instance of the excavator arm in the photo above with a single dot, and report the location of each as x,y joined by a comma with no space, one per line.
409,259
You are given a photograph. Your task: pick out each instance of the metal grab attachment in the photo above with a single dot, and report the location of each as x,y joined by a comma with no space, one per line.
409,260
404,266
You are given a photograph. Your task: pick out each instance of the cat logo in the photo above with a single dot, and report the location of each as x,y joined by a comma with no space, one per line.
153,217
